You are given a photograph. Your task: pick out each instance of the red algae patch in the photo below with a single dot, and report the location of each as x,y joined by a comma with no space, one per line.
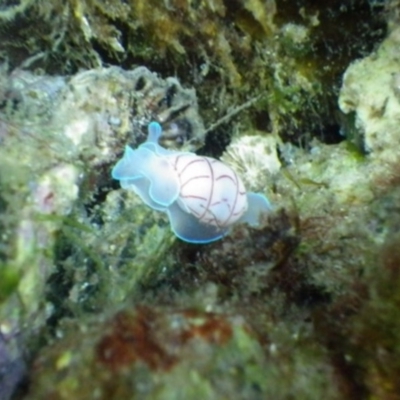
131,339
156,339
212,329
152,353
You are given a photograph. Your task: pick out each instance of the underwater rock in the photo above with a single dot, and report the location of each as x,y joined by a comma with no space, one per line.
96,108
289,54
12,366
255,158
79,247
153,353
58,137
370,95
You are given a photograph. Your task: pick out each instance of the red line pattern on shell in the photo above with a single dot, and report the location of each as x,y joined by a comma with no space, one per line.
212,183
194,178
190,163
227,177
235,182
210,190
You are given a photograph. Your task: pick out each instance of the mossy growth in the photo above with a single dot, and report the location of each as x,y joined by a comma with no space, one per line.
9,279
304,285
290,55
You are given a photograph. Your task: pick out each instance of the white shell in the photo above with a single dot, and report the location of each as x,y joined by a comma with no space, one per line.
209,190
202,196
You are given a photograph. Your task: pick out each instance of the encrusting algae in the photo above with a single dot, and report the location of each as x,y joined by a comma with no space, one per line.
97,298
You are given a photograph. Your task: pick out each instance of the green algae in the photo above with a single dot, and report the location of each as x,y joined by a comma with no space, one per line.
9,280
311,297
289,54
191,353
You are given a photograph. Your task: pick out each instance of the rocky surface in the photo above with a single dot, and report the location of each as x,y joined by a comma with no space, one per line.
99,300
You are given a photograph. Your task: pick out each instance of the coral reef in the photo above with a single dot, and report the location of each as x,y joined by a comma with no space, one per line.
155,354
255,157
373,100
59,137
99,300
289,55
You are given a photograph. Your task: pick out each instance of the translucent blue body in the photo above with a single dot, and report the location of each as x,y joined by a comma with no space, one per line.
149,172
